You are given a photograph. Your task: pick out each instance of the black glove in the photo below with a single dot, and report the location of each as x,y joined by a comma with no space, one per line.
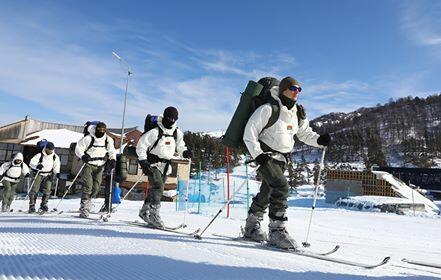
145,166
112,164
262,159
58,176
40,166
324,139
187,154
151,158
86,158
27,175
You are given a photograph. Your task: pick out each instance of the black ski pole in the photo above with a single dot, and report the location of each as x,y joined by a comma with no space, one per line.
68,189
109,209
105,217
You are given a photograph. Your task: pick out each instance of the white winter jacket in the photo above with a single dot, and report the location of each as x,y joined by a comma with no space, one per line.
166,147
280,136
51,163
11,172
98,150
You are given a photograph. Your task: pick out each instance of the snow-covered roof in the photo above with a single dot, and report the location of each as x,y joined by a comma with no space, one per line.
62,138
405,191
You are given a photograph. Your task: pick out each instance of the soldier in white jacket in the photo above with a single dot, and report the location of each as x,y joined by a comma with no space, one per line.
47,165
10,173
271,148
94,149
155,149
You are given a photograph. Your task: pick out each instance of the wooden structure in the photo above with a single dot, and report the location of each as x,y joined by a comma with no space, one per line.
342,183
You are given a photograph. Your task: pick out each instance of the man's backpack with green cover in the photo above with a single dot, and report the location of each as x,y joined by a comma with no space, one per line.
255,95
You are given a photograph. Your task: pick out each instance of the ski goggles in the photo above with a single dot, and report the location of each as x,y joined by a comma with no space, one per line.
294,88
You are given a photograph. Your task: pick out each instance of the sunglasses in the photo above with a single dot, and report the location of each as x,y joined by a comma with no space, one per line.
294,88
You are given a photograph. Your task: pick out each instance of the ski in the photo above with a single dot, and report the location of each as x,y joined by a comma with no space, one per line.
422,263
168,229
241,239
41,212
78,212
88,218
321,256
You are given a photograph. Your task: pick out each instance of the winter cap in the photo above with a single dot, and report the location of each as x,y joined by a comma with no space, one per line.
171,113
18,156
50,146
101,125
286,83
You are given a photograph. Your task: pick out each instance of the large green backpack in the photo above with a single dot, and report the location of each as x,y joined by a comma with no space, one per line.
255,95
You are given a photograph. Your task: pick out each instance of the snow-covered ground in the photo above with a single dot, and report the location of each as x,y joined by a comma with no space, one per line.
67,247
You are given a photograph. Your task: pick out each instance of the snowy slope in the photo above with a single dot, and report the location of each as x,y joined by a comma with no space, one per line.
66,247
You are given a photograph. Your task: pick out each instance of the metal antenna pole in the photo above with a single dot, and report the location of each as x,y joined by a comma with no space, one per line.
123,122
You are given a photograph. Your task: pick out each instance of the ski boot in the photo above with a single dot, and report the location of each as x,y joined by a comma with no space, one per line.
144,212
279,236
253,230
31,209
84,209
44,208
154,217
104,208
84,213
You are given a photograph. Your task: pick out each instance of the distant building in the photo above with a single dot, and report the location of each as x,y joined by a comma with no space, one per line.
344,183
426,178
348,183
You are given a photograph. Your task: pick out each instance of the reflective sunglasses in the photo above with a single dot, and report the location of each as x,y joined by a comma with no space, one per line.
294,88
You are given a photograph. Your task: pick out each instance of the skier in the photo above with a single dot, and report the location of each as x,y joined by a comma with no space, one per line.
94,149
46,167
155,149
10,176
271,148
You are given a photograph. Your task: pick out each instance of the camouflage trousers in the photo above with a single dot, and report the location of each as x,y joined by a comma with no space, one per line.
8,193
43,183
91,181
273,191
156,182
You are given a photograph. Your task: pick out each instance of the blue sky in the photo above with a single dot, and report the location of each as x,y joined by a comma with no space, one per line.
56,62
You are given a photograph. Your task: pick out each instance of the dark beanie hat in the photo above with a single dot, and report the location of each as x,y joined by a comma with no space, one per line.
101,125
286,83
171,113
50,146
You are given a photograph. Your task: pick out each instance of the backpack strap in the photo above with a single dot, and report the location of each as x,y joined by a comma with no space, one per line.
90,144
7,170
41,160
275,114
301,113
106,145
160,135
